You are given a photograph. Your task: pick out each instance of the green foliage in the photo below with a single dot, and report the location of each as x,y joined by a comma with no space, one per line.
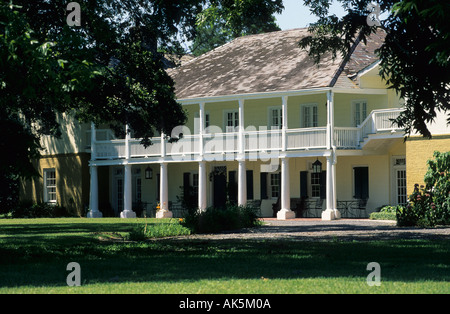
429,205
224,20
111,70
214,220
437,180
39,210
385,213
142,232
419,210
414,56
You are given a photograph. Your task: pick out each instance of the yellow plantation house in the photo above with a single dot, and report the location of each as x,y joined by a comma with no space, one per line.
265,126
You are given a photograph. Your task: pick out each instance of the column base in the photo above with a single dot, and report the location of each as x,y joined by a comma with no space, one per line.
95,214
331,214
128,214
285,214
163,213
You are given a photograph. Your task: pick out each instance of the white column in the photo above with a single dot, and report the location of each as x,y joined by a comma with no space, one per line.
285,212
93,201
128,181
164,197
331,212
202,201
242,184
127,194
93,197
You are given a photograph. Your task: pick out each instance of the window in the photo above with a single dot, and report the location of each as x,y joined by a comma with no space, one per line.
195,181
399,175
359,112
310,116
138,189
50,186
275,185
197,122
315,184
275,118
402,196
207,121
137,185
231,120
119,194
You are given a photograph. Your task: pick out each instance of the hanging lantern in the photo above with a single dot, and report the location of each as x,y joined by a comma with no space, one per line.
317,167
148,173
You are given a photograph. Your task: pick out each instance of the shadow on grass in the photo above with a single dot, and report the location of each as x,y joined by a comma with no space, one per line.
37,255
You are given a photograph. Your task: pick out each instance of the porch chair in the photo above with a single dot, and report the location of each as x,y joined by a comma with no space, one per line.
276,207
362,207
314,208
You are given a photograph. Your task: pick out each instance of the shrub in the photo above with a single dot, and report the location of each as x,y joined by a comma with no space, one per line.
437,180
385,213
429,205
39,210
146,231
214,220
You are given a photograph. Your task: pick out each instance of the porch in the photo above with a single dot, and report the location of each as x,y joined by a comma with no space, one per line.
261,143
272,149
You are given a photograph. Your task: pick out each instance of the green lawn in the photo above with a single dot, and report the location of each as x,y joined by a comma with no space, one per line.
34,255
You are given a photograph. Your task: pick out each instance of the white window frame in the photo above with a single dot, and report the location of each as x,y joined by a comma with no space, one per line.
137,185
309,120
235,120
47,198
197,121
270,118
359,111
275,187
394,179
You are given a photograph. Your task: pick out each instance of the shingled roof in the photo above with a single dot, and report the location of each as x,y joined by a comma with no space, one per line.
267,62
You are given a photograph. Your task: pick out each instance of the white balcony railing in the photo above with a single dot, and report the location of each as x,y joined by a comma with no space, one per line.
263,141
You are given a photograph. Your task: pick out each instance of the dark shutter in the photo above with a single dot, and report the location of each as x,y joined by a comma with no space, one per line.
304,184
249,184
232,186
323,185
186,183
263,185
361,183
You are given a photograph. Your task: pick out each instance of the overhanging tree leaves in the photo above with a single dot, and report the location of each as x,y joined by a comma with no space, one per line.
224,20
415,58
110,70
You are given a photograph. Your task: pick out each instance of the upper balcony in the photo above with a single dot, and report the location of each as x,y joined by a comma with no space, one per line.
378,124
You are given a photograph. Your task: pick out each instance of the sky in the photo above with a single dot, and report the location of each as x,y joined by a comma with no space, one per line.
296,15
